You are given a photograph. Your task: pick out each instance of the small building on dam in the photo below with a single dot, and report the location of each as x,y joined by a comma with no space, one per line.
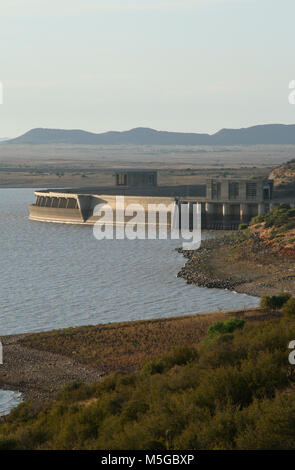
225,203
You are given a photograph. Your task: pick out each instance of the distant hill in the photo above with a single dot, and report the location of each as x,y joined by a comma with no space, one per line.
268,134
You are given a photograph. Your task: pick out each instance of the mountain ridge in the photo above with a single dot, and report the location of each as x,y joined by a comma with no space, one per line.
263,134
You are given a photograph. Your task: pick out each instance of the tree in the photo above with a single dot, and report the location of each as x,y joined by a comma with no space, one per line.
289,308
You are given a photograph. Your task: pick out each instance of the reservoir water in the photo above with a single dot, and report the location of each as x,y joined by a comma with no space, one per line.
56,275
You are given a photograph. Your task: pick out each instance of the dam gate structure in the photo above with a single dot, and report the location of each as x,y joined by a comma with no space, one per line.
225,203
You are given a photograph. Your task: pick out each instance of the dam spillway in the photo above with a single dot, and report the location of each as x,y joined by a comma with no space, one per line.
224,203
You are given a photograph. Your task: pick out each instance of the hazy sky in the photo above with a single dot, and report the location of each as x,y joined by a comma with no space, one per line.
186,65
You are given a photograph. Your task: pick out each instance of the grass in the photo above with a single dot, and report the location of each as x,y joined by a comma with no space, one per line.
125,346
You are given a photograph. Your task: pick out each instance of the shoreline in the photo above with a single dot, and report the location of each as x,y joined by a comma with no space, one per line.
39,364
39,375
241,263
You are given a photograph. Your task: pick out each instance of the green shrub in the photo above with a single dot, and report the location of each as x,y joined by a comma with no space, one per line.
266,424
274,302
233,392
228,326
289,308
282,298
257,220
153,366
281,216
8,444
290,224
243,226
180,356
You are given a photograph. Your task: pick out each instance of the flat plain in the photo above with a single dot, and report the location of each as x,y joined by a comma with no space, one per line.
92,165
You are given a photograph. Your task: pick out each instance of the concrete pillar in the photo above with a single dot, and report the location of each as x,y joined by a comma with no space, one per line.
203,215
226,210
244,213
191,214
226,213
210,214
209,208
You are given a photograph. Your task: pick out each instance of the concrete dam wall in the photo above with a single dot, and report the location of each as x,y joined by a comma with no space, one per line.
224,203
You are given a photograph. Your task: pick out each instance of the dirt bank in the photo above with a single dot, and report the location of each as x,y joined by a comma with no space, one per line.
243,263
39,375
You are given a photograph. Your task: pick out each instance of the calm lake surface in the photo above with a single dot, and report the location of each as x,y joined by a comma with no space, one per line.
56,275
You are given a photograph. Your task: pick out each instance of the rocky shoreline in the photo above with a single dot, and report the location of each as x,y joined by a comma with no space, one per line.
240,262
195,271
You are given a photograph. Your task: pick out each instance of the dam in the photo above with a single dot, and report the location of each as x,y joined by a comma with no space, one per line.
225,203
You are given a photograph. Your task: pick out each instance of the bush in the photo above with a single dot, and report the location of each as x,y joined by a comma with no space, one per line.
234,392
257,220
274,302
279,216
180,356
289,308
8,444
228,326
282,216
243,226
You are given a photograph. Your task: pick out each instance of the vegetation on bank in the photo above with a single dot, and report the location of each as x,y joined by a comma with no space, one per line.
276,227
235,390
125,346
227,326
275,302
280,217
